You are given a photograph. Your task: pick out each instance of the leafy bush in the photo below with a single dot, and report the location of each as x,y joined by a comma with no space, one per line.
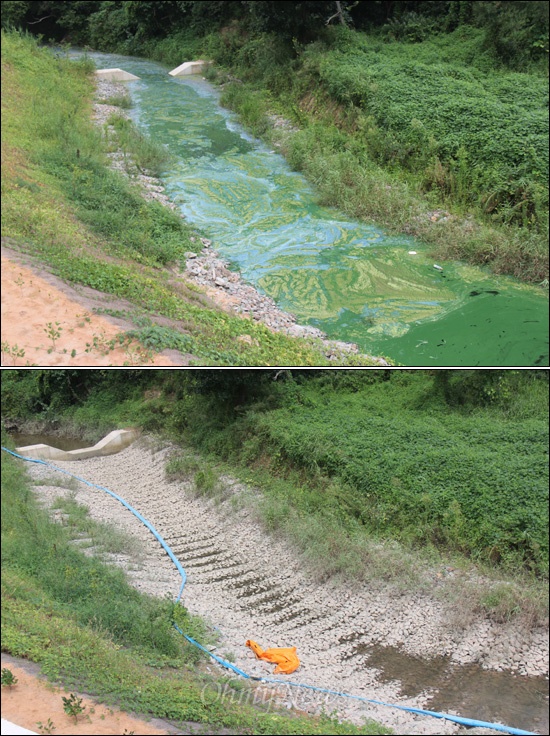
489,133
109,29
399,462
411,27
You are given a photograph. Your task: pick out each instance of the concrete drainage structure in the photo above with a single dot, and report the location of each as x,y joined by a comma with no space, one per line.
115,441
115,75
189,67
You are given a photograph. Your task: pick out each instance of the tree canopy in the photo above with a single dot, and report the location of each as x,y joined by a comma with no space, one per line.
516,31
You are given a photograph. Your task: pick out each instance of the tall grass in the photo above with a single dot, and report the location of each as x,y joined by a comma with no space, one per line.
392,131
145,153
67,158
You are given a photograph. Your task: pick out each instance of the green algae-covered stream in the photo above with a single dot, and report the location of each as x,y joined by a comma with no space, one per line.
350,279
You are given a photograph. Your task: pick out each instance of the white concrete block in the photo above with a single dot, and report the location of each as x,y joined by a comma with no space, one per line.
10,729
115,441
115,75
189,67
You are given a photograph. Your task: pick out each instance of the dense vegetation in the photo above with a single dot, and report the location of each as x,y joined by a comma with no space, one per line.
62,204
455,462
88,628
403,108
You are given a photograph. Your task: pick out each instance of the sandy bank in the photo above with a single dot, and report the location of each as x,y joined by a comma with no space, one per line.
34,307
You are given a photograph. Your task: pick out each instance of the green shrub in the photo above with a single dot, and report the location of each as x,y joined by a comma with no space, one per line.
467,474
206,480
147,154
493,143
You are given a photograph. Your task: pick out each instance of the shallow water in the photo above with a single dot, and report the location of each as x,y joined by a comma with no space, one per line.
62,443
350,279
469,690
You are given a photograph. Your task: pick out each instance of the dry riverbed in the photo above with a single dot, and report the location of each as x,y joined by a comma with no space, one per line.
249,585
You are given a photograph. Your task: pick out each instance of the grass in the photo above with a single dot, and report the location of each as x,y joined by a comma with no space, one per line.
199,474
122,100
59,482
103,538
379,459
90,630
145,153
63,205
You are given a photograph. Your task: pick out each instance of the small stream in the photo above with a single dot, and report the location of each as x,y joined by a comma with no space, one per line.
350,279
469,690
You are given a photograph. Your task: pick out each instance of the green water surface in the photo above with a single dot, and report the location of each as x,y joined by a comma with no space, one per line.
350,279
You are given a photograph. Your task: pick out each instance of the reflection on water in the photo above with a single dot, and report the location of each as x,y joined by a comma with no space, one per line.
62,443
469,691
348,278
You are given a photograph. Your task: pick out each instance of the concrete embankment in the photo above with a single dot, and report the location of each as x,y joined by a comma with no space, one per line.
114,442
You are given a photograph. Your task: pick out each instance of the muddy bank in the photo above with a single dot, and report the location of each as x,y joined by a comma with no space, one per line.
225,287
249,585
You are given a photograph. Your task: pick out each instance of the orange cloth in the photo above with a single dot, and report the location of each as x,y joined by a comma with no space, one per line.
285,658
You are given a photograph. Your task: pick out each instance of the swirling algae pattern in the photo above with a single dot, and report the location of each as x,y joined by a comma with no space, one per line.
349,278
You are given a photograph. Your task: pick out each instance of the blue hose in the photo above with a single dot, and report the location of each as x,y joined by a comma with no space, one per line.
446,716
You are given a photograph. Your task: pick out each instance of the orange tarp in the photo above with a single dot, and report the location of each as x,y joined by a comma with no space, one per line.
285,658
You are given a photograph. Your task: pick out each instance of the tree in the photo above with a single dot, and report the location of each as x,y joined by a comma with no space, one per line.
516,31
231,387
13,13
342,13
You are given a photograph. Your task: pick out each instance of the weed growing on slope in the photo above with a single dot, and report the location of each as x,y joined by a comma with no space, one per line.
7,678
47,727
14,352
53,331
147,155
180,467
108,539
123,100
73,706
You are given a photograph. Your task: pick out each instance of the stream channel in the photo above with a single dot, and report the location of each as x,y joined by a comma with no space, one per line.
349,279
468,690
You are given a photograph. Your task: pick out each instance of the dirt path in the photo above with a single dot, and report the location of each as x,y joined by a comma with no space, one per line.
33,700
251,586
31,302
